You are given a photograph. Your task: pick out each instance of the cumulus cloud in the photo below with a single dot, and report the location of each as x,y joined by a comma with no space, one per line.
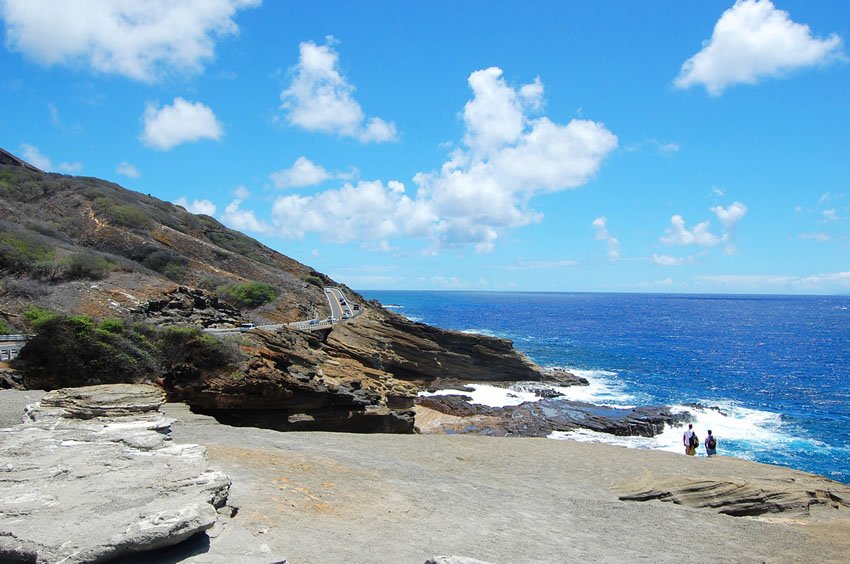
181,122
321,99
484,188
507,158
126,169
602,234
139,40
366,211
679,235
40,160
205,207
754,40
303,172
667,260
241,219
36,157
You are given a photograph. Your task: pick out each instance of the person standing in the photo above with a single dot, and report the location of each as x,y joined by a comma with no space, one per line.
690,440
710,444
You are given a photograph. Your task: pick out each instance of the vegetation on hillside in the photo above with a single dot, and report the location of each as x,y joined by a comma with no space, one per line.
249,294
77,351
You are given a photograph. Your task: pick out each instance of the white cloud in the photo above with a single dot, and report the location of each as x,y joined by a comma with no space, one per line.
541,264
602,234
829,215
139,40
181,122
243,220
481,191
35,157
205,207
717,191
754,40
69,168
303,172
366,211
40,160
126,169
817,236
667,260
679,235
731,215
321,99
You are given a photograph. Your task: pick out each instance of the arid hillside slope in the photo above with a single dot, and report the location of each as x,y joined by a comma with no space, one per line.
83,246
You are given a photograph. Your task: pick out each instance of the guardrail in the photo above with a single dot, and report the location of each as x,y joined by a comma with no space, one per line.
6,338
11,345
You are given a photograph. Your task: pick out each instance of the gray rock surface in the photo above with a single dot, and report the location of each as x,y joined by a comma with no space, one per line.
93,475
329,498
454,560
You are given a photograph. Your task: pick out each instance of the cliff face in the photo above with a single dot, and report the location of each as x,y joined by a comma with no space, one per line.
83,246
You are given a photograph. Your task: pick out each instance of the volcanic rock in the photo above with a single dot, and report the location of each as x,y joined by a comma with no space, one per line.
740,497
93,475
190,306
541,418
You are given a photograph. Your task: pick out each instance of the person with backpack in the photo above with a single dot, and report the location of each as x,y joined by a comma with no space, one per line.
690,440
710,444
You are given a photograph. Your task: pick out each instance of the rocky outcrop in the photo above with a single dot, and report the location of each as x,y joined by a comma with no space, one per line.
191,306
292,383
541,418
93,475
741,497
421,353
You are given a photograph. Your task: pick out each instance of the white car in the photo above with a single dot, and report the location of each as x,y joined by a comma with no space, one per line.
247,326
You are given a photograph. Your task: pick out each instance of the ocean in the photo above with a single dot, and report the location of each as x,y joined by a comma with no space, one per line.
769,375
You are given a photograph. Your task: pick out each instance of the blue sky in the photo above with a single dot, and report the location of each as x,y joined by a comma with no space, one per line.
555,146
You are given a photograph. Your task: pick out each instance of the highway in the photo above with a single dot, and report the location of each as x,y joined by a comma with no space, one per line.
340,308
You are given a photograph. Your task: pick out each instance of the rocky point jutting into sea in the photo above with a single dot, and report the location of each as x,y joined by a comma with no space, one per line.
78,246
113,291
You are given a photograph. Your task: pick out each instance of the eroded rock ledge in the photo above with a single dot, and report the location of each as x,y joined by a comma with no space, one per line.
93,475
740,497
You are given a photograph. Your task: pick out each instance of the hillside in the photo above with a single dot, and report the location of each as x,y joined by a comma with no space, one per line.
80,246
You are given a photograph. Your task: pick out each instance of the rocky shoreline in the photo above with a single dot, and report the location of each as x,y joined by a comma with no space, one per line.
83,480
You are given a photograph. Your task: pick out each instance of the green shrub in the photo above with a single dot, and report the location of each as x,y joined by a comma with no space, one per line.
315,281
38,316
250,294
87,266
23,255
127,215
172,265
5,329
112,325
74,351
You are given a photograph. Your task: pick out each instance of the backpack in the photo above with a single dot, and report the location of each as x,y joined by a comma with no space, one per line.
712,442
694,440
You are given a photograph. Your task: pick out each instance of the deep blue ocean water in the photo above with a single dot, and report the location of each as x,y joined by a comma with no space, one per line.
775,369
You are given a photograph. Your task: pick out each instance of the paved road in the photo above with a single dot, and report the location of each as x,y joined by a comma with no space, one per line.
339,305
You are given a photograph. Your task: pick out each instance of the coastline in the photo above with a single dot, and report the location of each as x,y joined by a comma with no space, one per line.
343,497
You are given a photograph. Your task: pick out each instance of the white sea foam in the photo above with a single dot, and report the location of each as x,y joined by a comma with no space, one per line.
490,396
603,389
740,431
393,306
485,332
